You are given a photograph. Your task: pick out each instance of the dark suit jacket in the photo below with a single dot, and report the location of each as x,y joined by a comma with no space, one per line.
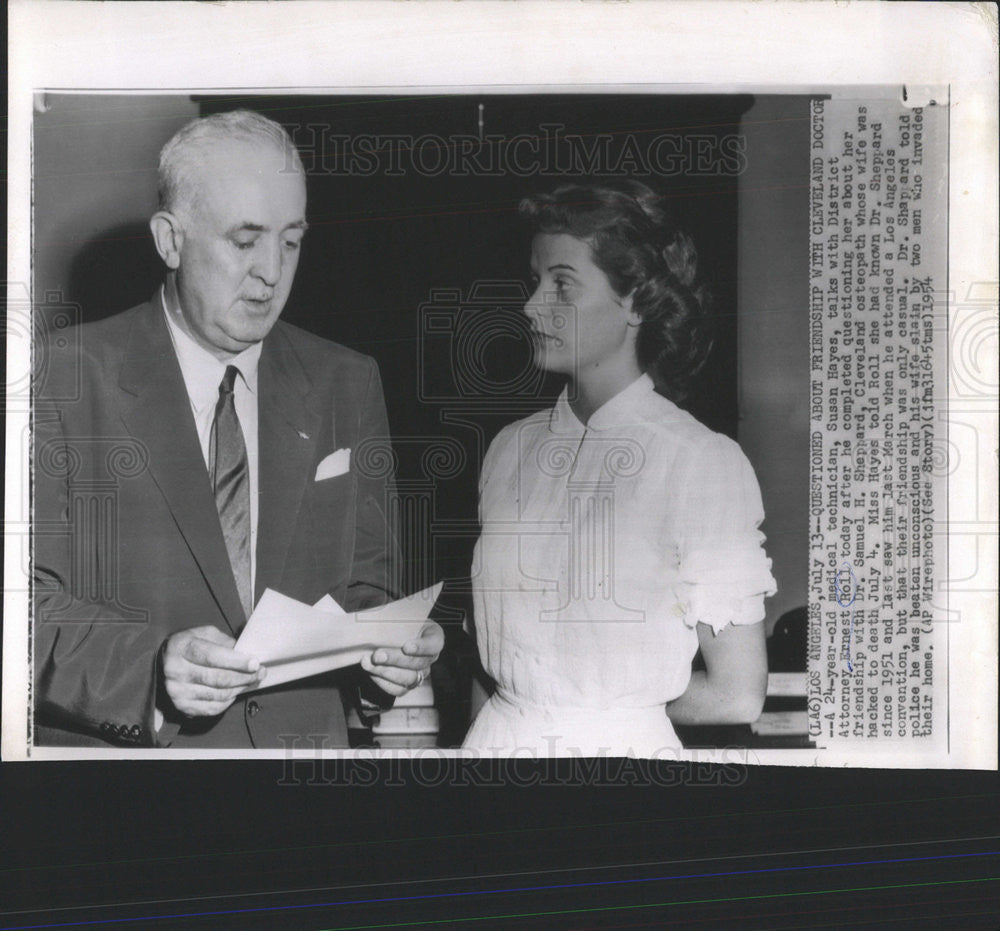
128,548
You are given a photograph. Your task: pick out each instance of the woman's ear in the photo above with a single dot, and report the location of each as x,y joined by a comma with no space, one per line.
168,236
634,318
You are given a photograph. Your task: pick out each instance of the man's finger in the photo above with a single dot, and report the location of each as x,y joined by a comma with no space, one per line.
406,677
397,659
212,634
429,643
178,668
389,685
205,653
186,692
390,688
198,708
222,678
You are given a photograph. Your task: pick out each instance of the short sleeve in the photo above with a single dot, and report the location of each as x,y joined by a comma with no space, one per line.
724,573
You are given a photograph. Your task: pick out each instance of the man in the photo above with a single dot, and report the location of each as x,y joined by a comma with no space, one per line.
194,451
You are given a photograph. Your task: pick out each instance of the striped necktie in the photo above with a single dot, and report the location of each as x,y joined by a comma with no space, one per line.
230,474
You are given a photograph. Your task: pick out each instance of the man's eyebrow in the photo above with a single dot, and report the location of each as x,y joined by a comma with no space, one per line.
248,227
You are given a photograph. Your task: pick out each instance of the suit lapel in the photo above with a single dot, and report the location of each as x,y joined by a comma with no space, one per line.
289,429
157,412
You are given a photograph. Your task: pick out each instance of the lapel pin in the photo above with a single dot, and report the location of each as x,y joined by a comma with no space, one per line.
304,436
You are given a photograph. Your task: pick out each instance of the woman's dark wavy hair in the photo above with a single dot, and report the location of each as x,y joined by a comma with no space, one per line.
636,243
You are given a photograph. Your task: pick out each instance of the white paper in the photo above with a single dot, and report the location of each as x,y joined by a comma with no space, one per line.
294,640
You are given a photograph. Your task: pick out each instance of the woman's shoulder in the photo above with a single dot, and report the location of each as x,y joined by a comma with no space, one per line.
515,435
689,440
532,424
663,416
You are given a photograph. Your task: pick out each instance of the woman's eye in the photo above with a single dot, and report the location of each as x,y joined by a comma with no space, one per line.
243,245
292,244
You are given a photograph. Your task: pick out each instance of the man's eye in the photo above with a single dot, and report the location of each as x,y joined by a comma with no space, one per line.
244,244
292,244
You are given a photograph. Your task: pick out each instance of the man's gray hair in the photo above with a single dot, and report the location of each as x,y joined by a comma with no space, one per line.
180,156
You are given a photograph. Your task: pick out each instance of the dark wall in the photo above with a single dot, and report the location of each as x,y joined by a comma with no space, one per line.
380,244
404,233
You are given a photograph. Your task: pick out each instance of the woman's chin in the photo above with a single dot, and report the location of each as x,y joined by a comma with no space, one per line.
548,361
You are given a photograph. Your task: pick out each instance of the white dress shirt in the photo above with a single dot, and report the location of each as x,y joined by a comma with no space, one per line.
202,376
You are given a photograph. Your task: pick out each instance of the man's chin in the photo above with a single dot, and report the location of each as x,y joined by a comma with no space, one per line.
236,341
252,326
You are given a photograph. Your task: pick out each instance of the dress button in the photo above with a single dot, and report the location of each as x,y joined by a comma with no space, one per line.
252,708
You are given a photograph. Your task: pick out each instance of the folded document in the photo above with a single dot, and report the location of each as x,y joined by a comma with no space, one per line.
294,640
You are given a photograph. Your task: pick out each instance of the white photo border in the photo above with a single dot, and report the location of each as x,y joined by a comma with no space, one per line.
662,47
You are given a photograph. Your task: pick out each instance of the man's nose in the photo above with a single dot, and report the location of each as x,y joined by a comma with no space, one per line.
267,262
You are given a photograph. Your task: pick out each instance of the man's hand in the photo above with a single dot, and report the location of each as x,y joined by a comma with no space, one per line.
398,671
202,674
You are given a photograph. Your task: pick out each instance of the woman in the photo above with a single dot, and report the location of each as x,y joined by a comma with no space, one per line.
619,534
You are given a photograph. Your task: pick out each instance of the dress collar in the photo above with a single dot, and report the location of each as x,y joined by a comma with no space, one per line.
201,370
621,409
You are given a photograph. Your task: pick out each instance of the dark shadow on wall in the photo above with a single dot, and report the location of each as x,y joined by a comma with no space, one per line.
114,271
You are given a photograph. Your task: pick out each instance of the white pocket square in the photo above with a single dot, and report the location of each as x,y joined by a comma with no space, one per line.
335,464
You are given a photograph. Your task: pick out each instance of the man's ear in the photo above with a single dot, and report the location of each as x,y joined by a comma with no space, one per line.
168,236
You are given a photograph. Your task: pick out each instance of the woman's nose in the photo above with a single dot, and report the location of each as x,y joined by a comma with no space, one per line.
535,304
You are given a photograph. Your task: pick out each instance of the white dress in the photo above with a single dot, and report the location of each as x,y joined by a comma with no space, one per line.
602,548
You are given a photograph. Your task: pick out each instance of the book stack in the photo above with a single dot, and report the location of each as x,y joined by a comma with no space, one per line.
411,722
784,721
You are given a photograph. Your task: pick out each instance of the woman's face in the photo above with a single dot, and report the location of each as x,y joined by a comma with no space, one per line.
579,324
